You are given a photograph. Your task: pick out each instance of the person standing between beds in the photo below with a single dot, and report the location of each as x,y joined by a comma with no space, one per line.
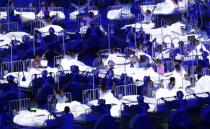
66,121
52,37
148,15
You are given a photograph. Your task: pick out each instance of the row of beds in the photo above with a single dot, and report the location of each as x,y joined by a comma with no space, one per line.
16,118
129,93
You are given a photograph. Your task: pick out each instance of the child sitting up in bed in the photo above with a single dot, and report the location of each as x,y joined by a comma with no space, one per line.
148,15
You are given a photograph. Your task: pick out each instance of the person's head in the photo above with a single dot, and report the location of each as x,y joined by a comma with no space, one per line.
142,58
181,44
148,12
66,109
177,67
91,14
199,69
199,76
148,81
46,13
37,58
140,99
101,102
110,73
159,62
24,38
134,59
10,78
51,30
44,73
172,81
140,46
61,93
205,54
179,94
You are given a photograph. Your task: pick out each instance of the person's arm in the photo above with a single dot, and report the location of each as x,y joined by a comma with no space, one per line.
54,92
87,4
56,16
142,11
61,54
95,17
32,64
155,61
82,17
43,55
74,5
65,98
42,20
154,8
54,115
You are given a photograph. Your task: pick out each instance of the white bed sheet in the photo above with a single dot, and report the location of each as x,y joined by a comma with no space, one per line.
83,29
68,61
31,119
6,38
159,33
133,99
28,75
26,16
3,15
166,7
18,35
202,85
73,15
77,109
45,30
60,14
122,13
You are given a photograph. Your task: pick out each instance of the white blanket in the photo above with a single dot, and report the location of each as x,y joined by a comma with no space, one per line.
121,13
68,61
202,85
31,119
26,16
60,14
45,30
73,15
28,75
159,33
77,109
5,39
